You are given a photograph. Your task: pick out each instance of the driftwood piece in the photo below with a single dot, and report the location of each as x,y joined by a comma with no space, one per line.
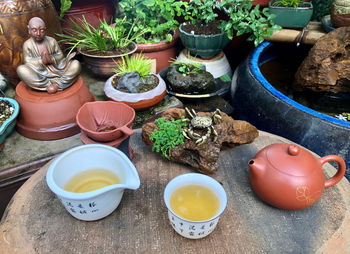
205,157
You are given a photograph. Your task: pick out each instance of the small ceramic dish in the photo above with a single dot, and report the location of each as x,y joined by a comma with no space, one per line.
194,229
105,121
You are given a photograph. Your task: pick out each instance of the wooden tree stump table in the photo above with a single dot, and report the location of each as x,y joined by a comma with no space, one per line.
36,222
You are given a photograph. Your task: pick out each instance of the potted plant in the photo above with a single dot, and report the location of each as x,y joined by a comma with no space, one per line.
9,110
291,13
134,84
340,13
205,35
101,47
158,17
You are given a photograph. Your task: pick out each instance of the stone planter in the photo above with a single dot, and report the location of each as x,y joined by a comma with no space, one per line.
291,17
104,66
137,101
7,126
203,45
260,103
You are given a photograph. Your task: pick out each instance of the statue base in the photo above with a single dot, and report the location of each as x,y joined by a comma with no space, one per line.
46,116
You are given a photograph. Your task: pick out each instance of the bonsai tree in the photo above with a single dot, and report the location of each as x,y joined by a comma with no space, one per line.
243,18
155,16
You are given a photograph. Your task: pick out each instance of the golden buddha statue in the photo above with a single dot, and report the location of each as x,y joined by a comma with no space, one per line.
45,68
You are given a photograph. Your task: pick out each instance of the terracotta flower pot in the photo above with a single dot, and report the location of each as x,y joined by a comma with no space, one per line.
92,10
104,65
47,116
105,120
137,101
162,52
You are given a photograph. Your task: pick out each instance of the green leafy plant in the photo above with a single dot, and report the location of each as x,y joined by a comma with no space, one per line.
168,135
65,6
187,68
104,39
156,16
288,3
135,63
244,18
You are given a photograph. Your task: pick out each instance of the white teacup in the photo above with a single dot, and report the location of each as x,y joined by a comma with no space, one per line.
194,229
96,204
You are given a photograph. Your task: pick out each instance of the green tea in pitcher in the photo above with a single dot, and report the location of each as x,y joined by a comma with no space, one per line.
194,202
90,180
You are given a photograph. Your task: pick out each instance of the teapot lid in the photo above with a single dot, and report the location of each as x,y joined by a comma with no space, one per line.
291,159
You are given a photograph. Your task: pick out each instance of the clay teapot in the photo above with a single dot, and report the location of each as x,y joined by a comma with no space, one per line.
289,177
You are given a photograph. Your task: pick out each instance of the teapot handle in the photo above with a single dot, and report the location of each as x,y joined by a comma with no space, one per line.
341,169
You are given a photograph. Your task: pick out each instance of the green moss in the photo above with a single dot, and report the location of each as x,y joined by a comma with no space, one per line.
168,135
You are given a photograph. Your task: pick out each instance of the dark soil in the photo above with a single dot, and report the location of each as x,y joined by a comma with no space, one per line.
204,29
147,86
6,110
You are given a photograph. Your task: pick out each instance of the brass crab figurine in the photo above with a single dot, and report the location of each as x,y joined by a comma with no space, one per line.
201,122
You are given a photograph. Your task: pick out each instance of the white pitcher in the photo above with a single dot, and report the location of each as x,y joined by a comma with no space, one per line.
99,203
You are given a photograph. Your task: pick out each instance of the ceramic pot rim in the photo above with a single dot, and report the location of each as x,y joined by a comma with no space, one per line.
310,6
110,91
8,121
112,56
200,35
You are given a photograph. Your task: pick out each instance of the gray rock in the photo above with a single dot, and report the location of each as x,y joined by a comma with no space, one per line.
200,83
129,81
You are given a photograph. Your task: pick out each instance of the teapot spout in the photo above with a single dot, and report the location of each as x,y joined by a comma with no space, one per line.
257,167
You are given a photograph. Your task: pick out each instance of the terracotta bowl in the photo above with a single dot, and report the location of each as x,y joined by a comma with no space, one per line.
137,101
105,120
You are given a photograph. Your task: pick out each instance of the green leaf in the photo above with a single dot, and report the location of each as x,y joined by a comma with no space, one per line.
65,6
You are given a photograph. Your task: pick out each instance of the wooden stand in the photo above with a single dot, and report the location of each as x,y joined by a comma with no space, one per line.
311,34
46,116
36,221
